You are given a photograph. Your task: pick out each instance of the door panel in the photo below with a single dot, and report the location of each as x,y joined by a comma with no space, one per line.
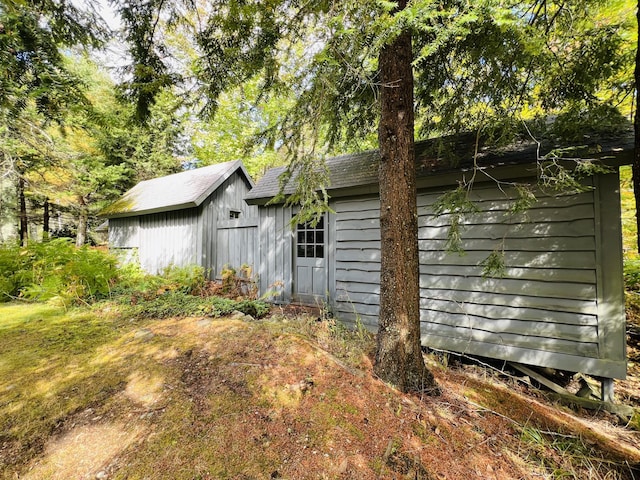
310,279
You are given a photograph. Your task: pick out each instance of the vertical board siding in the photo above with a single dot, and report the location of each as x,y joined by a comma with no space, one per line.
544,308
123,232
275,253
208,223
168,239
215,212
237,245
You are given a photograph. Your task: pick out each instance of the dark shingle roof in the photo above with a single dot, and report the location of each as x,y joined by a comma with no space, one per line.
433,157
174,192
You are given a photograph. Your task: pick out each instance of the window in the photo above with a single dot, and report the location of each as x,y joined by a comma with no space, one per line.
310,240
234,214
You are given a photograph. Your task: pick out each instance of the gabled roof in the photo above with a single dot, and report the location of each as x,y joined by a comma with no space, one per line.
439,156
174,192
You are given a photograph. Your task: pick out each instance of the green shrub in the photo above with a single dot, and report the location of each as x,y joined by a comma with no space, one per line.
14,271
56,270
188,279
632,274
180,304
135,283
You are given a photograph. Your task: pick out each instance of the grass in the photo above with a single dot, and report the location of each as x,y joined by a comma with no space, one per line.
52,365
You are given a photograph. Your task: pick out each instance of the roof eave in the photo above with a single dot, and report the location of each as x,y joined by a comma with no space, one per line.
149,211
613,152
451,175
261,201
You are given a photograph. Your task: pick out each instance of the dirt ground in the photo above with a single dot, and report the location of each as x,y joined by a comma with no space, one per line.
293,399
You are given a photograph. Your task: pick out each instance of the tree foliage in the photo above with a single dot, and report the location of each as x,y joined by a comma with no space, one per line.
65,137
31,34
234,132
102,151
36,88
149,74
495,66
482,66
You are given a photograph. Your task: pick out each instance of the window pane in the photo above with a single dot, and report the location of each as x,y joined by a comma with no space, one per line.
319,251
300,237
309,251
301,251
319,237
320,225
310,236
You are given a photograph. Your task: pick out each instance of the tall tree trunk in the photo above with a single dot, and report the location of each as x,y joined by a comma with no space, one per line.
636,128
81,235
399,358
23,230
45,221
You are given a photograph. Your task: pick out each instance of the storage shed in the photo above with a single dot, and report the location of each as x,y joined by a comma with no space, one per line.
559,302
194,217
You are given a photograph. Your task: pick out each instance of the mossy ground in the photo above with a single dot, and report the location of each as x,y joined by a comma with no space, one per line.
84,392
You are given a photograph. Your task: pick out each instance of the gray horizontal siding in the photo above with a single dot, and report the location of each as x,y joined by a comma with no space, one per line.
547,299
352,267
513,299
540,244
357,260
545,307
460,327
575,363
547,289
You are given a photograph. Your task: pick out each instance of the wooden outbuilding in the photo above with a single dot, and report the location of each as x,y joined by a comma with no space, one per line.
559,302
195,217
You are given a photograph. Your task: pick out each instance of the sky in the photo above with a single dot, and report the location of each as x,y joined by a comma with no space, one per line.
114,56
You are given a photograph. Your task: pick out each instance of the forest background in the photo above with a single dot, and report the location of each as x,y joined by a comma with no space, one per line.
84,117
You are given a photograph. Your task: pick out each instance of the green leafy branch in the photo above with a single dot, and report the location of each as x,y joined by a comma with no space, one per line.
564,174
457,204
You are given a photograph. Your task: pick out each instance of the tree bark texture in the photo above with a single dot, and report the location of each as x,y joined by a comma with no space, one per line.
399,359
45,220
81,235
636,128
23,230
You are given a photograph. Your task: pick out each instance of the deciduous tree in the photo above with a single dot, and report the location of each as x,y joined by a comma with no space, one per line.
35,86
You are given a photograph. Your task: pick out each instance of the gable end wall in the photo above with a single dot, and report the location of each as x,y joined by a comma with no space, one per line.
228,241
